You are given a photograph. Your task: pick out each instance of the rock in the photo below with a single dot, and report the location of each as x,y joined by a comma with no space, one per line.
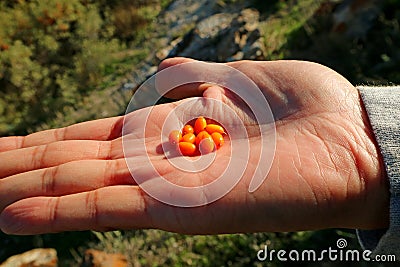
223,37
202,29
33,258
209,39
183,13
96,258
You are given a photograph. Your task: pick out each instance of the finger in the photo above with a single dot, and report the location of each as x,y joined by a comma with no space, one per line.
49,155
103,129
122,207
69,178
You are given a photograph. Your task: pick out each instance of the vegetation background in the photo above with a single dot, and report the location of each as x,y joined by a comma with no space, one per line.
58,57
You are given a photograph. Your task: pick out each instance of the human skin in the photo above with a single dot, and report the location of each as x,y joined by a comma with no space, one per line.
327,171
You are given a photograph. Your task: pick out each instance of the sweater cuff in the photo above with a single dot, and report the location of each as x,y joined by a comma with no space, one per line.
382,105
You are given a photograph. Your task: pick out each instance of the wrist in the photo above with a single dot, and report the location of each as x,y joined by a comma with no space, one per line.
374,204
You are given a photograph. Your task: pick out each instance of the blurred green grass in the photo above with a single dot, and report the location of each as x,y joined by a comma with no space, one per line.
291,30
158,248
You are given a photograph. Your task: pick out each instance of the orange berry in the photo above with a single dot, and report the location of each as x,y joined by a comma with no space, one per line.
187,149
206,145
175,137
201,136
217,138
214,128
189,137
187,129
199,125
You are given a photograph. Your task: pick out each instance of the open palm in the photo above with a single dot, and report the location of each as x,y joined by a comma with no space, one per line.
326,171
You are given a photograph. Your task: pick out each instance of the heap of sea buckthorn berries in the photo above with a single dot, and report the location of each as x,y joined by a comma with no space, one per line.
201,137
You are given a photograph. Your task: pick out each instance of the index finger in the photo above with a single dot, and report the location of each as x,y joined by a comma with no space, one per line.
101,130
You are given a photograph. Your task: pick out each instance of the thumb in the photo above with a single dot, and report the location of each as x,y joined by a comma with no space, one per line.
169,62
184,91
212,91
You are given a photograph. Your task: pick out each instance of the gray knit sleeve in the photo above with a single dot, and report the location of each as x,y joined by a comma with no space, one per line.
383,108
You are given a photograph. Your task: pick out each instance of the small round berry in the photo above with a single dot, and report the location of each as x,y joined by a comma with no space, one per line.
187,129
218,139
201,136
214,128
206,145
189,137
187,149
199,125
175,137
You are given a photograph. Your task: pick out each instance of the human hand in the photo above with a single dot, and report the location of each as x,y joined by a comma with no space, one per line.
326,171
